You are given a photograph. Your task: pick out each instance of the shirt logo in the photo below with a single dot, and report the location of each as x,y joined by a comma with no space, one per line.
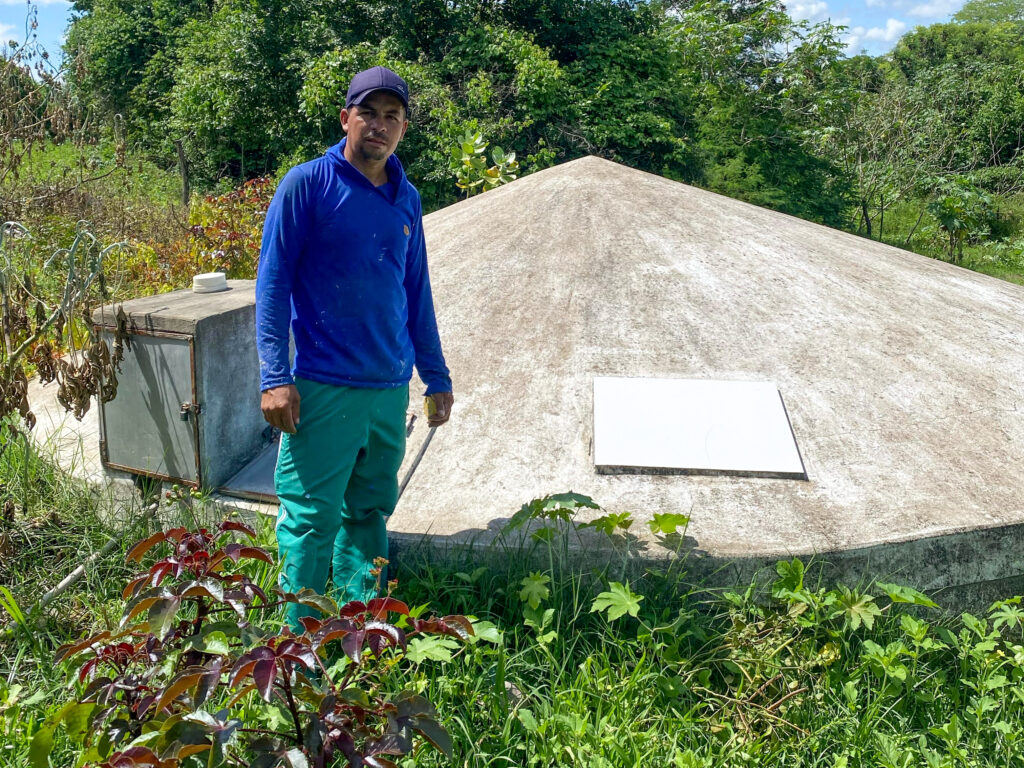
406,230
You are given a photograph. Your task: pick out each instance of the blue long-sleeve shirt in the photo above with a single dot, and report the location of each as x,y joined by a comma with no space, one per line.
344,264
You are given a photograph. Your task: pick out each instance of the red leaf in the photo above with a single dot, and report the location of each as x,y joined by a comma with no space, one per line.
291,646
255,553
389,632
140,549
335,629
133,586
178,687
87,669
176,534
350,610
142,705
231,525
209,682
465,627
256,591
232,550
352,644
160,571
68,650
381,606
263,675
138,757
297,652
216,559
459,626
141,604
241,670
248,660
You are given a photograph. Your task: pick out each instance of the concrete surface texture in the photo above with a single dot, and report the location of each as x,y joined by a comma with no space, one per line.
902,375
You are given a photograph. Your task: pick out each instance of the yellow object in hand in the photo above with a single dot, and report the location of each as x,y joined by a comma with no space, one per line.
429,407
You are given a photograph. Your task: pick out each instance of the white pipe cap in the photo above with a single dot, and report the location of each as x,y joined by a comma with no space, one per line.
209,282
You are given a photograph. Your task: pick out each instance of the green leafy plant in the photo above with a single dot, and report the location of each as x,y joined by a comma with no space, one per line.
611,524
617,602
962,211
473,173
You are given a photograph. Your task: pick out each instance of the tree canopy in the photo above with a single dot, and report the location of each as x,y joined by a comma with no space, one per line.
734,95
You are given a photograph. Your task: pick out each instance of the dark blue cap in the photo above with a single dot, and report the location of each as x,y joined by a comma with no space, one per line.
376,79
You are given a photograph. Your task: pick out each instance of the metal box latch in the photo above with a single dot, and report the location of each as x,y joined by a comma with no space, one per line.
187,408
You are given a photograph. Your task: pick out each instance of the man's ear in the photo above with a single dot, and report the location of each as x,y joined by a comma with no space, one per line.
344,118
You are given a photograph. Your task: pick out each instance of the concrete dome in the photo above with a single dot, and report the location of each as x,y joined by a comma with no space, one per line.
902,375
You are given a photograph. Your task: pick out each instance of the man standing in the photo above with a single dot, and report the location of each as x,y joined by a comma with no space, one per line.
343,264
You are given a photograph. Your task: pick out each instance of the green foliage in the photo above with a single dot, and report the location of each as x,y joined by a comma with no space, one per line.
610,524
962,212
739,98
535,589
617,602
233,95
767,96
800,676
667,522
558,506
990,12
472,172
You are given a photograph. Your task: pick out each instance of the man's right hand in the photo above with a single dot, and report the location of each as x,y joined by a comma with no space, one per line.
281,407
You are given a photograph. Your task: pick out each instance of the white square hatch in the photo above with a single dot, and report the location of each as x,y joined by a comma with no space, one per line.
693,426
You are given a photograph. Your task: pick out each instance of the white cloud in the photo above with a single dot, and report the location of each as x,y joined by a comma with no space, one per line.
936,8
5,30
894,28
857,37
892,5
811,10
853,38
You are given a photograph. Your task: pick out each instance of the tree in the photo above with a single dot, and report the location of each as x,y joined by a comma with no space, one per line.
925,48
767,93
962,211
235,89
126,55
990,11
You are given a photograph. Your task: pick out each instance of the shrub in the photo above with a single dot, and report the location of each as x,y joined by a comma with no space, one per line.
199,671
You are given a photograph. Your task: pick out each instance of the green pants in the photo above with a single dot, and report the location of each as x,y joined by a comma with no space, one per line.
337,481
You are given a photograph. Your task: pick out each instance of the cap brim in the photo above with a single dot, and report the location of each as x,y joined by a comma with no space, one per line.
359,98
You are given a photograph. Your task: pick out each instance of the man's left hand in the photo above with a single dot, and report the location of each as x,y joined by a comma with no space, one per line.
443,402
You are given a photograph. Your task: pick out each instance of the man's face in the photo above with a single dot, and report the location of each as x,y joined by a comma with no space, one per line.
375,127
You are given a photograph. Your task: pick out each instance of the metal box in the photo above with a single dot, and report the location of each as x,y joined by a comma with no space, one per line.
188,399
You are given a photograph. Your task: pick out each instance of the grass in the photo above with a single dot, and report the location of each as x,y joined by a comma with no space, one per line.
584,668
138,180
577,668
810,677
51,524
1001,254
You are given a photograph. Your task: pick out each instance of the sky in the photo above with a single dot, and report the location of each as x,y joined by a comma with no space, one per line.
873,26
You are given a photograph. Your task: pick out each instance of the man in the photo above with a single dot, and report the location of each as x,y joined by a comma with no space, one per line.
343,264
